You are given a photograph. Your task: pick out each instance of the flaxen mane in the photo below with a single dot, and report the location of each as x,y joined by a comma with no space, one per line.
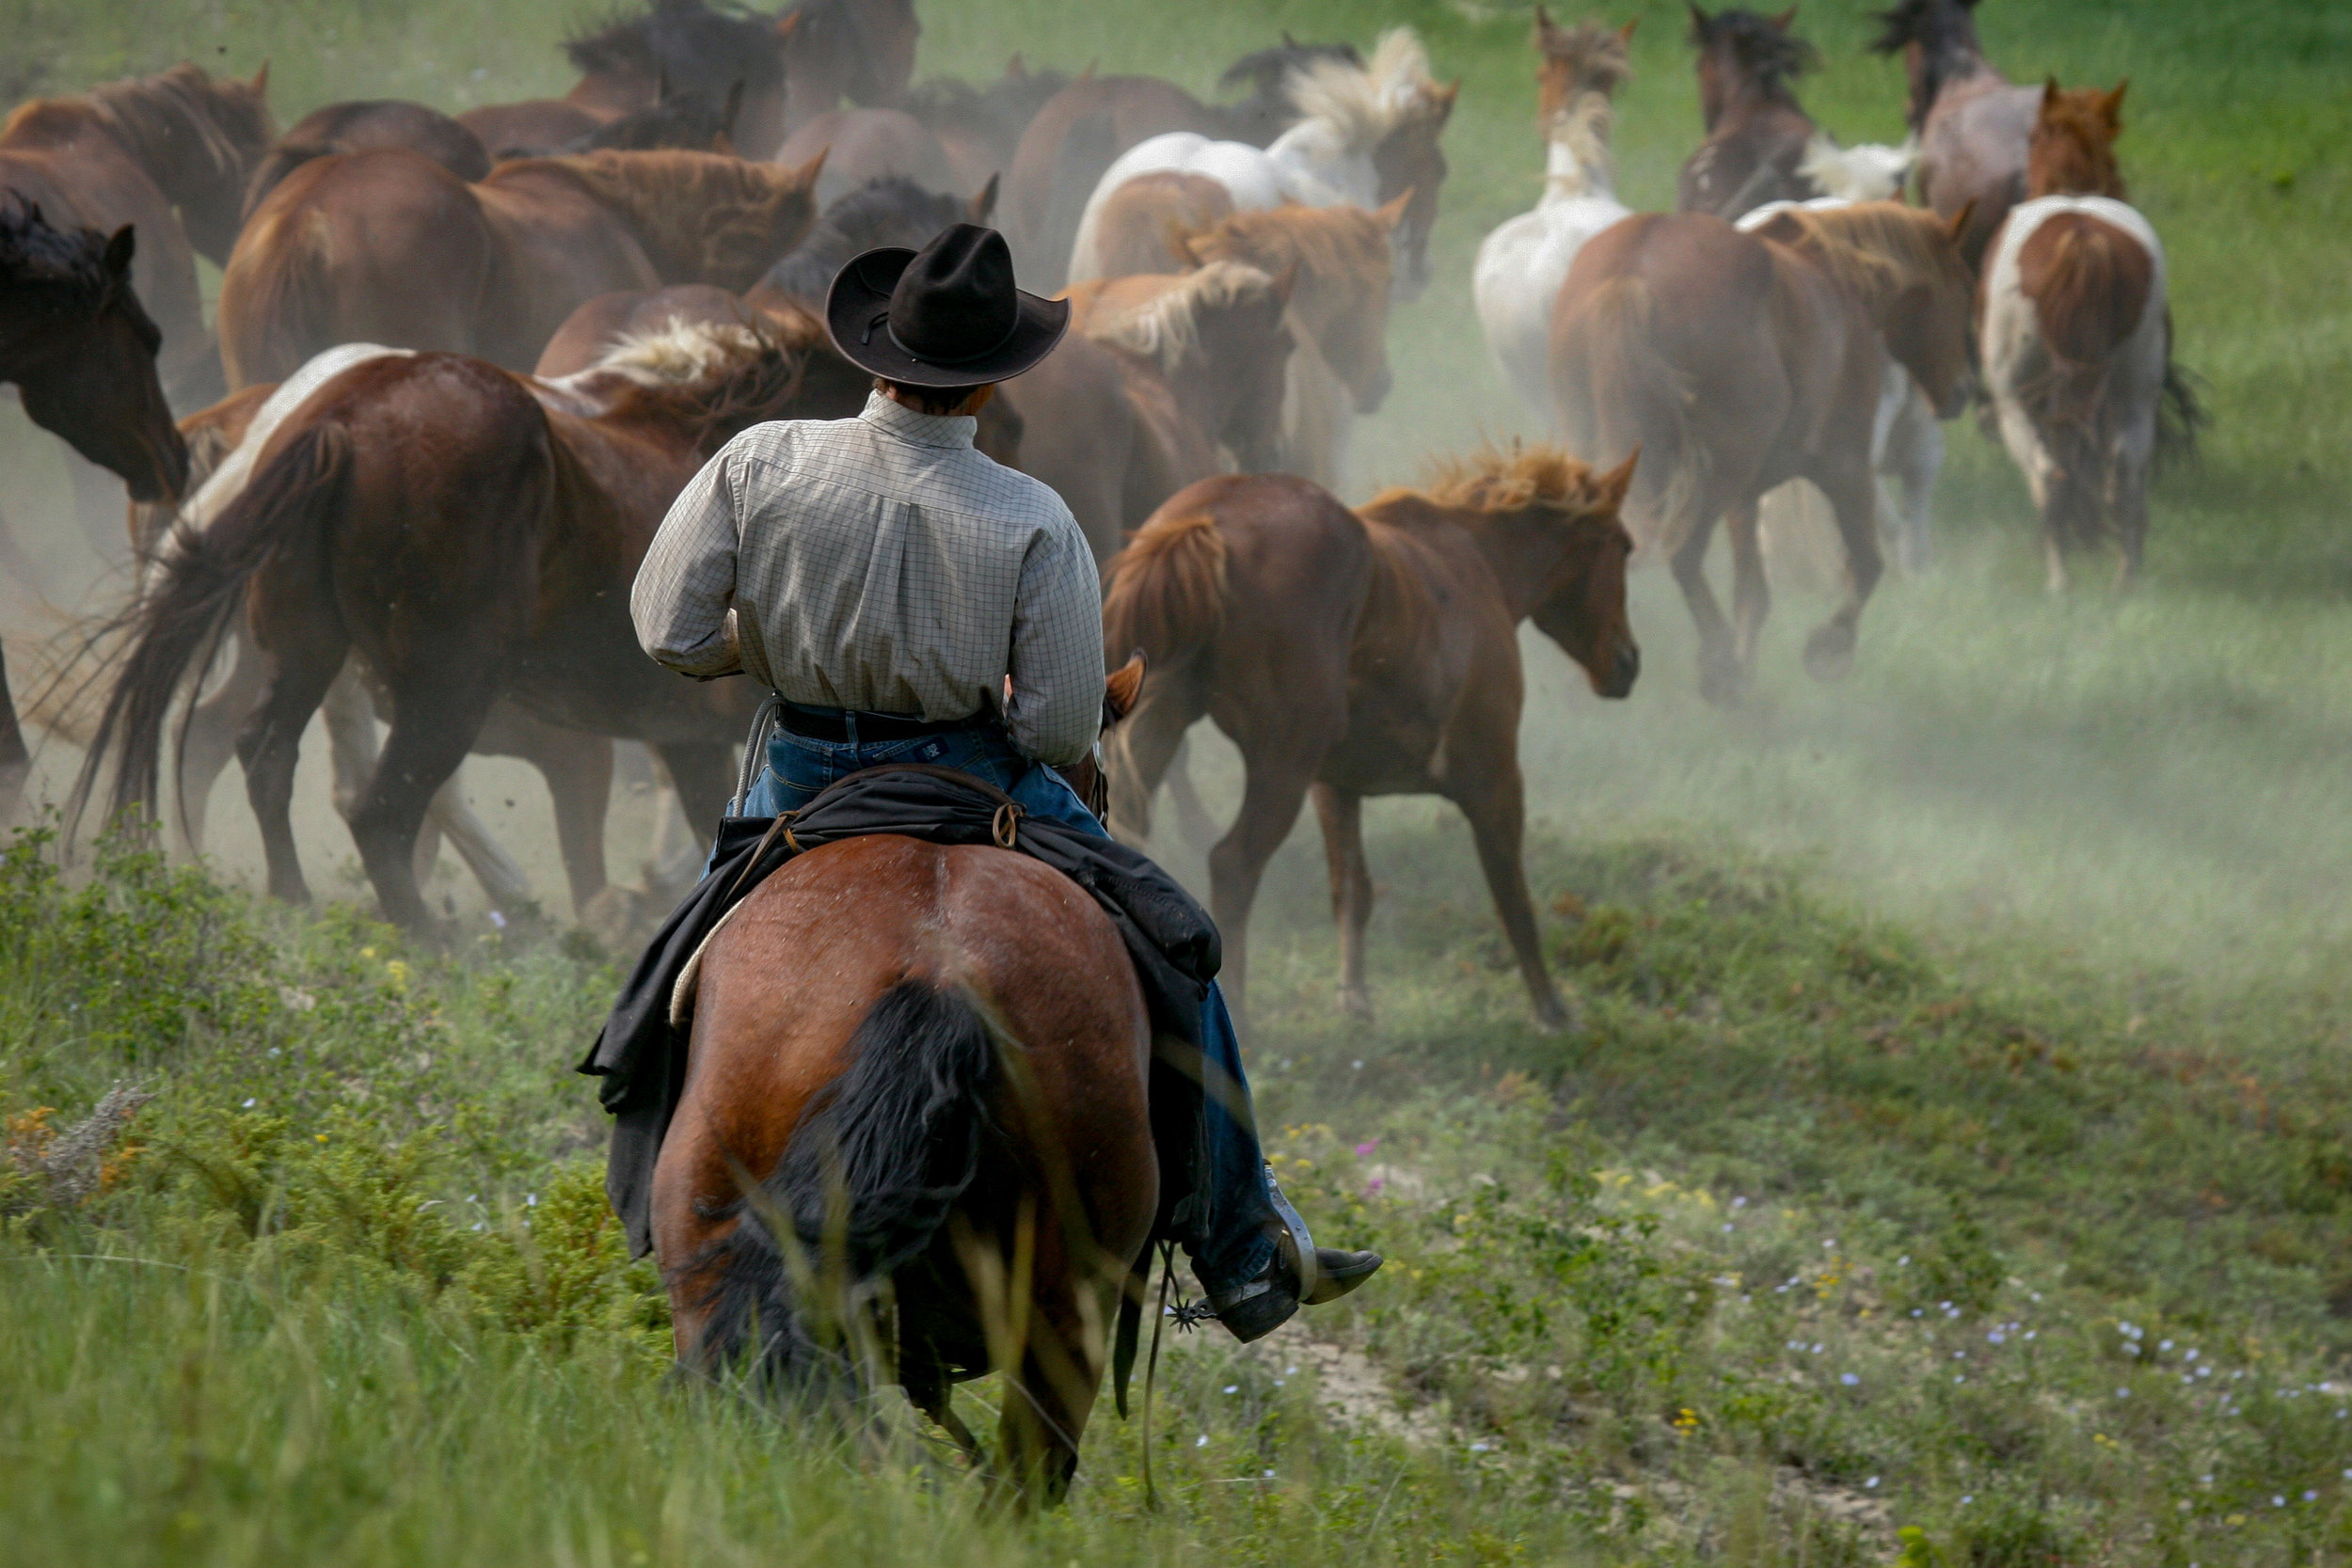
715,379
1166,328
1875,248
710,212
1330,245
1507,479
1166,588
1364,103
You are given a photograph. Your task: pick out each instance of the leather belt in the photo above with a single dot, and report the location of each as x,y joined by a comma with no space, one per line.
833,724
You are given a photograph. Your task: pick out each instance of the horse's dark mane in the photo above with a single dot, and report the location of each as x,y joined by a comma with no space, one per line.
691,120
1768,57
890,210
688,42
1268,71
33,251
1946,32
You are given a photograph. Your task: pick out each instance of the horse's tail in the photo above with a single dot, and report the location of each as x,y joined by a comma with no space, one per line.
273,306
1166,592
1614,392
2181,415
194,594
878,1161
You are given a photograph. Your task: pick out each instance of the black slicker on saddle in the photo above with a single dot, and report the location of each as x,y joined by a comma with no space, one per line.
641,1056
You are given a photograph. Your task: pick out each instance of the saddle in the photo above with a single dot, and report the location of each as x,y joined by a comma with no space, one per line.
641,1051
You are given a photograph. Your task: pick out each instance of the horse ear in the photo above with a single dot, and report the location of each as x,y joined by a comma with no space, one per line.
725,146
121,246
1609,488
1123,687
1959,219
983,206
1625,34
2111,106
1543,22
2052,95
258,86
1445,96
1785,19
1700,20
1017,67
805,176
1393,213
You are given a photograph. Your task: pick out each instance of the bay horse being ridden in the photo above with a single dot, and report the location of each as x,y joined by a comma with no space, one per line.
2078,337
168,153
387,247
1973,124
973,1053
1735,362
80,350
1522,263
1362,652
471,536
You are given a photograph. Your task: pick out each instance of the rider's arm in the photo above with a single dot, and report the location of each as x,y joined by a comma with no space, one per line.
1056,663
686,586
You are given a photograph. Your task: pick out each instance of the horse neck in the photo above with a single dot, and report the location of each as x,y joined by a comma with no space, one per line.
1513,556
675,233
182,157
1576,152
1957,62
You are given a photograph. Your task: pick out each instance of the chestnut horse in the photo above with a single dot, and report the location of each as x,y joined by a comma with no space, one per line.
169,154
949,1102
80,352
1367,653
387,247
2077,338
360,126
471,536
1341,257
1972,123
1735,362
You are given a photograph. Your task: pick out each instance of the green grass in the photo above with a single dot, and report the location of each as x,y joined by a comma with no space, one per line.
2014,966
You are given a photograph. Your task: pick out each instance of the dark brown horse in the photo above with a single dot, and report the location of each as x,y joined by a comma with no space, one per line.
1972,124
980,128
363,126
858,50
634,62
80,352
1756,132
1735,362
954,1090
1367,653
469,536
169,154
389,247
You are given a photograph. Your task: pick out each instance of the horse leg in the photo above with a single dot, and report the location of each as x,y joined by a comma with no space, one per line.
1342,817
2130,509
301,670
1853,493
1495,801
703,773
1915,456
578,769
1719,660
1145,747
1750,592
210,740
435,716
1192,817
1047,1402
1276,788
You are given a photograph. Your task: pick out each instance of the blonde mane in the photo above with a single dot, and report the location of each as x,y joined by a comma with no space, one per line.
1363,104
1166,328
713,378
1496,479
1876,248
1594,57
1581,130
1334,249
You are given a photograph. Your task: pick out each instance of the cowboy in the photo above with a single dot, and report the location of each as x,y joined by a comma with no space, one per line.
908,600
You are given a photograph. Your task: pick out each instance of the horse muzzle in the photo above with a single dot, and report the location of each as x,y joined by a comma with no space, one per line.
1623,671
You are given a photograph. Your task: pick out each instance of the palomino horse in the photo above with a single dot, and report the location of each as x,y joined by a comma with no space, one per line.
1522,263
1078,132
1366,135
388,246
80,352
470,536
1200,363
950,1104
1972,123
1367,653
634,62
2078,337
169,154
1736,362
1340,316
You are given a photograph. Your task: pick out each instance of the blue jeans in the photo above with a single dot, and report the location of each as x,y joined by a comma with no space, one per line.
1240,1200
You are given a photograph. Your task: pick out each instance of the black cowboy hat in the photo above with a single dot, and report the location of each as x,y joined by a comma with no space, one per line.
947,315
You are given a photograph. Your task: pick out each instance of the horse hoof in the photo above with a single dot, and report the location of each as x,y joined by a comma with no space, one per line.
1357,1003
1722,684
1555,1017
1829,653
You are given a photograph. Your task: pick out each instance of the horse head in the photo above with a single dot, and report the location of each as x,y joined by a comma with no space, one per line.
1342,267
1411,168
1586,58
1244,333
1742,53
81,349
1937,40
2072,150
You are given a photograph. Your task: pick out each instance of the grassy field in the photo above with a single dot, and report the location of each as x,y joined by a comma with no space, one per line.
1953,1167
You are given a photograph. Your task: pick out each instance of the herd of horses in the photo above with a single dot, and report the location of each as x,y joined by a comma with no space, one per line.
460,366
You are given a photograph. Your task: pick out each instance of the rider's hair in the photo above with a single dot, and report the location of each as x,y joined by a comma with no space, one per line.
931,400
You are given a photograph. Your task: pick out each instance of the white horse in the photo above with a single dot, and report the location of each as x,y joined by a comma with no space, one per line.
1325,160
2077,345
1906,443
1522,264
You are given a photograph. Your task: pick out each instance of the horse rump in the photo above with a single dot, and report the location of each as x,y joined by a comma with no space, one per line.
200,585
1615,393
878,1161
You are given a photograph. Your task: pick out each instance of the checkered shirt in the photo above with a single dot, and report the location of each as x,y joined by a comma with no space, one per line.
885,564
